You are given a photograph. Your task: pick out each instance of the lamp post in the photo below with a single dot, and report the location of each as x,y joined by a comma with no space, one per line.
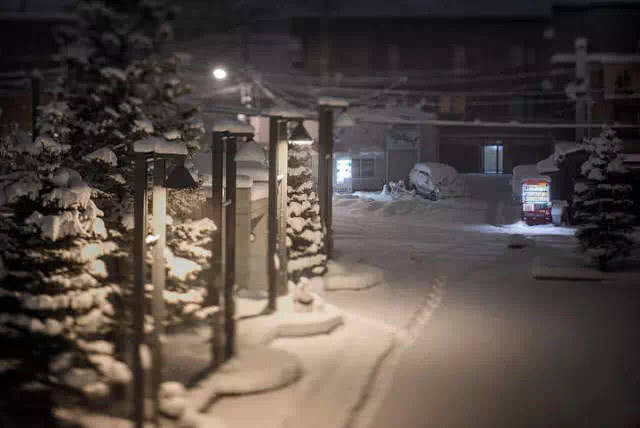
159,151
326,107
225,134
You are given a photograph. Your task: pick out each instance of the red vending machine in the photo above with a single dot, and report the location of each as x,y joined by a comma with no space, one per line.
536,201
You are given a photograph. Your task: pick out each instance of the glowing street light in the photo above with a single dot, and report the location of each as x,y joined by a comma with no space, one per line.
219,73
300,136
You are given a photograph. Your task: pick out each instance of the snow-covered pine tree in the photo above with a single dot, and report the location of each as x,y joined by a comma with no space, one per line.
602,202
305,247
56,304
119,89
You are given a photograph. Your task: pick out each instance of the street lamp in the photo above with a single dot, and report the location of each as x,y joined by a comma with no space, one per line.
300,136
181,178
219,73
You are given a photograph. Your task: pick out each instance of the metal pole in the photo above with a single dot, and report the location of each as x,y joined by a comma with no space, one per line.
215,282
582,78
325,165
158,277
322,167
272,232
230,254
329,155
139,250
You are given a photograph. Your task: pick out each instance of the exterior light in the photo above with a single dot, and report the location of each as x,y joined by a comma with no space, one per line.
219,73
344,120
300,136
180,178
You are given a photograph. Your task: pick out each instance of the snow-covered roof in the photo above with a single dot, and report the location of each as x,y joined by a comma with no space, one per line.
333,102
547,165
395,115
159,145
403,8
286,112
632,158
232,125
602,57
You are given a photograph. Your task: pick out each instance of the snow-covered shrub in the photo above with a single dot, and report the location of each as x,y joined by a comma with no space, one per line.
305,233
602,202
70,206
188,256
183,204
56,301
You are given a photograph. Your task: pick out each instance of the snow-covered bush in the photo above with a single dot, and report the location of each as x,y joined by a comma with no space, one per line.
188,256
602,202
67,199
56,300
305,247
118,91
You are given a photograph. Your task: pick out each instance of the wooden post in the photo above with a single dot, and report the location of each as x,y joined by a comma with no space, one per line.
230,254
282,157
139,250
215,281
272,232
158,277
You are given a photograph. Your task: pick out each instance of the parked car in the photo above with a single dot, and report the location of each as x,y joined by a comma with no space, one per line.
436,180
421,181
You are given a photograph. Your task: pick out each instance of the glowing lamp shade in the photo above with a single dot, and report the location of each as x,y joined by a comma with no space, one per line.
300,136
180,178
219,73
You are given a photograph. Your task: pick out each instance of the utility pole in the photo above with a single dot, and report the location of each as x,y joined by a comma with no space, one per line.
583,83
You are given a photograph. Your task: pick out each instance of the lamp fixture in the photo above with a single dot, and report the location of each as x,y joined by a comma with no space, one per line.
180,178
300,136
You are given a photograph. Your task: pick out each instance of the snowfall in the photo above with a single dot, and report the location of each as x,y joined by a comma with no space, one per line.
448,321
450,312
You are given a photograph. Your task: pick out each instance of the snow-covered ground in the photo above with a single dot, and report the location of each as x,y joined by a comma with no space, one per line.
503,349
500,349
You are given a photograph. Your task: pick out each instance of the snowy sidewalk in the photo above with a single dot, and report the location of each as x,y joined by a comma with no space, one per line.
337,368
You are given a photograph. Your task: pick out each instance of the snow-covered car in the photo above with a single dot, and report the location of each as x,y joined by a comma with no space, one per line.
433,180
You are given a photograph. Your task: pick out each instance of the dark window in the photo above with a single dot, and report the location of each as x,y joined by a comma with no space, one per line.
367,168
363,168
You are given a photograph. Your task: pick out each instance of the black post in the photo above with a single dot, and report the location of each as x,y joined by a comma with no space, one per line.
272,234
35,103
230,254
329,160
139,250
217,151
325,165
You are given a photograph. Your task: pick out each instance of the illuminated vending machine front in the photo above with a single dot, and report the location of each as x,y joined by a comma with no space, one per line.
536,201
343,175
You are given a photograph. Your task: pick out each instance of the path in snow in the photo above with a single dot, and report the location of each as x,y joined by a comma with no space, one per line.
502,350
